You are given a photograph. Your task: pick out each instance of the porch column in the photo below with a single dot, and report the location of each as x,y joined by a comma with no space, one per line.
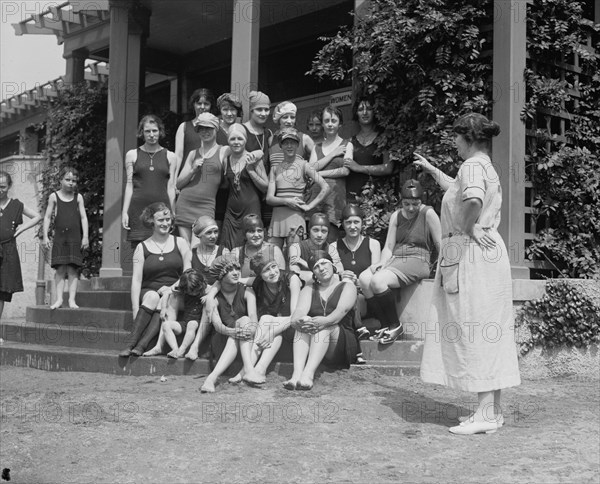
245,49
75,66
508,149
122,118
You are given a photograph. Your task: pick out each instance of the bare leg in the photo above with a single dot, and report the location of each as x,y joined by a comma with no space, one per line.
158,348
59,283
227,357
302,342
278,241
322,343
267,357
185,232
201,333
190,335
73,275
170,329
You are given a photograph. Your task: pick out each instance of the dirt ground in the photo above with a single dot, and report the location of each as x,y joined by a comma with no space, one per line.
354,426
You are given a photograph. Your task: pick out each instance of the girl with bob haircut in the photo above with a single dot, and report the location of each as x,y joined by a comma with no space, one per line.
70,234
158,262
150,178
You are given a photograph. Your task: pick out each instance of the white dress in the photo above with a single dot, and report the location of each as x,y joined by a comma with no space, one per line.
472,347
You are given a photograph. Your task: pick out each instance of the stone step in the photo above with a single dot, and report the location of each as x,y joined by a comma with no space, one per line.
100,318
120,300
72,335
59,358
111,283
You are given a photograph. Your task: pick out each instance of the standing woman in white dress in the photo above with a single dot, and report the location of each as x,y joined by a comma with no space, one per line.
474,349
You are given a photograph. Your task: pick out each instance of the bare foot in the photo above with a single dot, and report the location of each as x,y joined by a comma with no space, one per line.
192,355
57,304
305,384
290,384
254,378
153,352
208,387
172,354
73,305
237,378
180,353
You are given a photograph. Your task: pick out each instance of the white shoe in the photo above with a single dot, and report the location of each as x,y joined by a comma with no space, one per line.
499,419
472,427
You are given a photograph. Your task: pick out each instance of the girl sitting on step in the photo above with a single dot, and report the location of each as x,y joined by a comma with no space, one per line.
189,289
157,264
234,318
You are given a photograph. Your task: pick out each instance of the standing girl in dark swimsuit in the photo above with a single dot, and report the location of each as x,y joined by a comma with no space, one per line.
70,234
150,178
259,138
11,226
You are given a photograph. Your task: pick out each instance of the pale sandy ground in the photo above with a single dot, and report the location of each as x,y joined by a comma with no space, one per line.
354,426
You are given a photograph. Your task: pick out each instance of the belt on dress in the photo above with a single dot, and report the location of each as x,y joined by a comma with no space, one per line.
452,234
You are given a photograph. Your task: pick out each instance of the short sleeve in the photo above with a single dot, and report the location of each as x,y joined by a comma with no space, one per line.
335,256
472,180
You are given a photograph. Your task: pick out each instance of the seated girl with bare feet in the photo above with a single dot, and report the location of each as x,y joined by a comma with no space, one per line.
234,318
323,323
277,293
189,290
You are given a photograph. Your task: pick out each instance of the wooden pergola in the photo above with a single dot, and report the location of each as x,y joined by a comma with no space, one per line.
119,30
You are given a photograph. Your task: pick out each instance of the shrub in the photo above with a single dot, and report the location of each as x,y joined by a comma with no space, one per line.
567,315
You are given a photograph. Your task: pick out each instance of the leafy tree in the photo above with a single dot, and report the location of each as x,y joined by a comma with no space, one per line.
424,63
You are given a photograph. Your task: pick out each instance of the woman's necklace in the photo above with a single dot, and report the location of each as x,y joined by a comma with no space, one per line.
205,257
162,249
151,156
209,153
237,166
367,139
324,298
356,246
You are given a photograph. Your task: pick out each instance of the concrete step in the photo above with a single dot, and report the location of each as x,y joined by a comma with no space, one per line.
399,351
90,317
111,283
111,337
71,335
120,300
59,358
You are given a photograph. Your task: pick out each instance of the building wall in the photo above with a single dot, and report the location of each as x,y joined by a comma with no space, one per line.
25,171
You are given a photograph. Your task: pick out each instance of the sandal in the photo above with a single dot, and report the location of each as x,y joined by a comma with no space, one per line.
391,335
362,333
380,333
360,360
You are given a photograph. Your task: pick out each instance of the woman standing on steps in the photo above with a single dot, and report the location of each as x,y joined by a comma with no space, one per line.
158,262
150,178
11,226
259,138
414,233
247,180
200,177
473,285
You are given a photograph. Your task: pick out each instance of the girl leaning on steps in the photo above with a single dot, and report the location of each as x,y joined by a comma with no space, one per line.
158,262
